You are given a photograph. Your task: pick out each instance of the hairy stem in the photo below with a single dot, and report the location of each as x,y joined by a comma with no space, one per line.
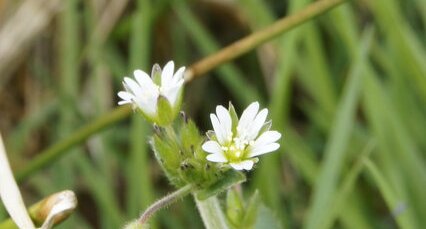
211,213
164,202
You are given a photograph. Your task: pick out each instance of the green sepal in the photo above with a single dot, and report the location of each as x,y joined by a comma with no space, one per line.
251,210
234,207
211,135
191,140
227,180
156,74
266,127
234,117
190,171
165,112
149,118
168,156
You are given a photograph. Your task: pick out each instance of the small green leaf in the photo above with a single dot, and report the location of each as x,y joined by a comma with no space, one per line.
229,178
265,219
234,207
252,210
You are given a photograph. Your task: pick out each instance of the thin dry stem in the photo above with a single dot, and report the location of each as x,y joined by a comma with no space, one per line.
248,43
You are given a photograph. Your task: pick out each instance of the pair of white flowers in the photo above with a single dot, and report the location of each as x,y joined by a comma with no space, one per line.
236,142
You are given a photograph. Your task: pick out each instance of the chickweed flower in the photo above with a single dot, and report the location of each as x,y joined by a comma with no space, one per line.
158,97
239,142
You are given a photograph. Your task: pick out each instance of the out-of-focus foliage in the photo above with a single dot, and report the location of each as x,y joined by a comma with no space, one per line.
347,90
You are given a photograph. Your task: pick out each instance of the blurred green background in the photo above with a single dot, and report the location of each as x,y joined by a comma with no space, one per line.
347,90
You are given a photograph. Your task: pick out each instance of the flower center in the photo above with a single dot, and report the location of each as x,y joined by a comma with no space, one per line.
236,149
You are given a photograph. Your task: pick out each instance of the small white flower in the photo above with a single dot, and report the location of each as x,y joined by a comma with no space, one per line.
145,91
239,143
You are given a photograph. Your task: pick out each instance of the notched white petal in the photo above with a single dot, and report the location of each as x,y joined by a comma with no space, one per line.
142,77
257,124
224,120
247,164
179,74
220,133
125,95
236,166
216,157
167,74
211,147
256,151
266,138
247,118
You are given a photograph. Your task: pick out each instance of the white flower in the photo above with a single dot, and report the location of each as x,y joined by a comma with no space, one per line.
239,144
62,202
145,91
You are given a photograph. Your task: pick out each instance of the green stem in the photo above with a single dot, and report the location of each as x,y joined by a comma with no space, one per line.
164,202
48,156
211,213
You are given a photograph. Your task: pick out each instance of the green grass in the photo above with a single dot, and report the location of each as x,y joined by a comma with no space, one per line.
347,90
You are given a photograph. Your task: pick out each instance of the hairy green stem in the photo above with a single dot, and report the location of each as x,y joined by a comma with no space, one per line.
211,213
164,202
199,68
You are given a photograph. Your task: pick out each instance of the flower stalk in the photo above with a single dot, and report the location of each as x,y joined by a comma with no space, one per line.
164,202
211,213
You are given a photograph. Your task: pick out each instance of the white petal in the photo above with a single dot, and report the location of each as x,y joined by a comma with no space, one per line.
124,102
172,93
167,74
178,75
237,166
143,78
225,121
211,147
132,85
10,194
247,117
216,157
219,131
125,95
247,164
257,124
148,103
256,151
266,138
